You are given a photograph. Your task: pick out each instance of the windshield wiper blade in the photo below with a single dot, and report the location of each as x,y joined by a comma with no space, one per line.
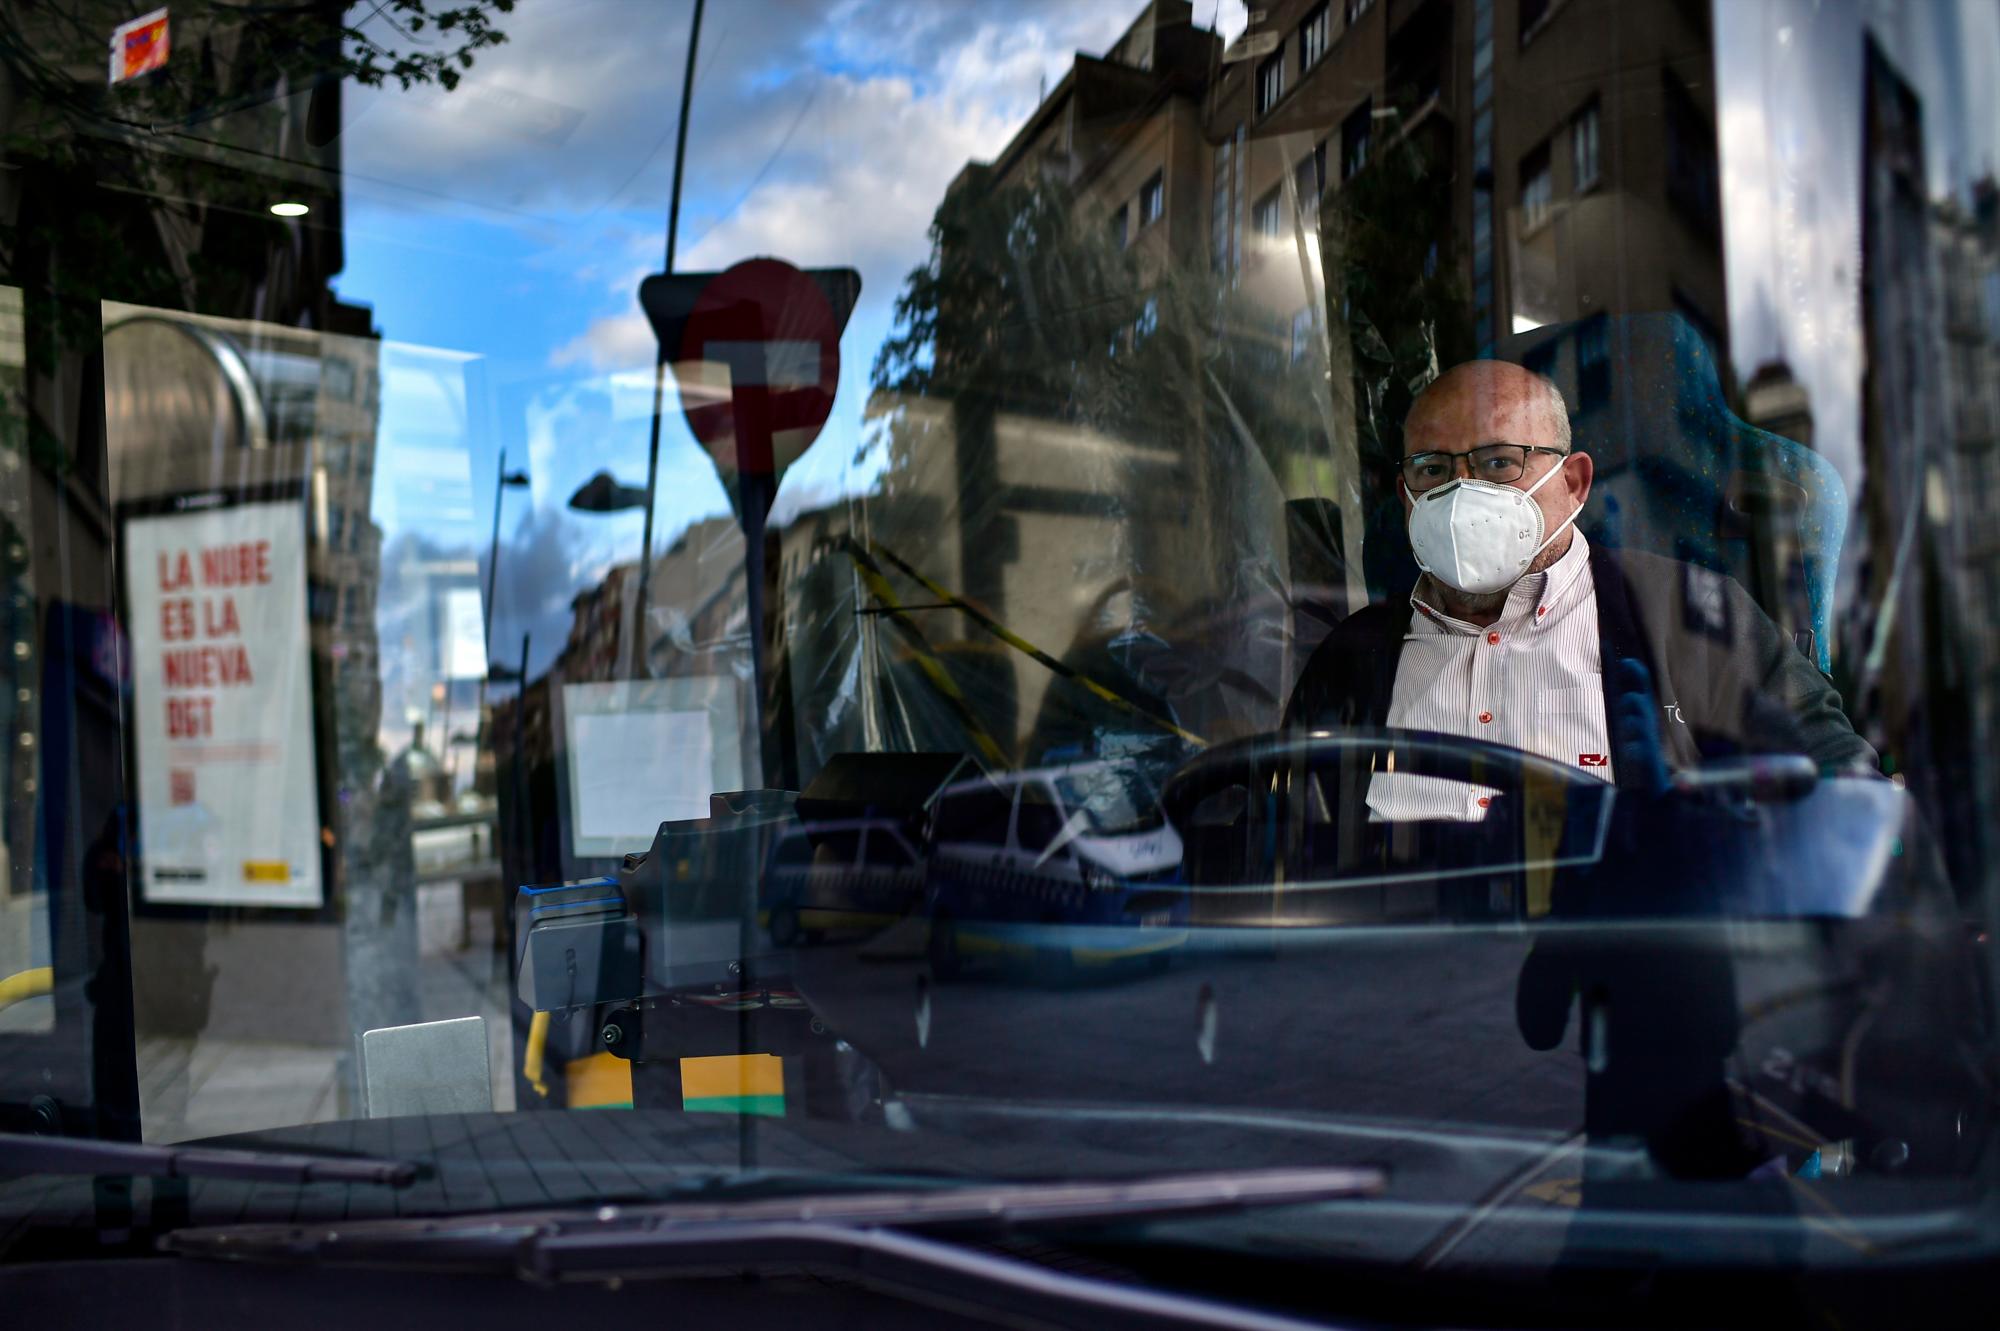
24,1154
996,1206
915,1268
562,1243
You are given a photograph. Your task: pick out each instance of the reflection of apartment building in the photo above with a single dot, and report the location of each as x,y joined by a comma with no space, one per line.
1930,288
1966,241
1124,131
695,610
1575,133
1568,136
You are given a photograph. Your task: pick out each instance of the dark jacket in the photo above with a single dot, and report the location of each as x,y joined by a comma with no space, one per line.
1724,677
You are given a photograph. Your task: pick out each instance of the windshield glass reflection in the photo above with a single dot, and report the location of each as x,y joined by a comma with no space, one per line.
1104,592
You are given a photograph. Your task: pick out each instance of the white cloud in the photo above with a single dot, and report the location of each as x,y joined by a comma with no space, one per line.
619,342
575,113
861,208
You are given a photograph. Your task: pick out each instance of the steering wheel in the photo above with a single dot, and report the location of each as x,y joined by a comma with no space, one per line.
1279,781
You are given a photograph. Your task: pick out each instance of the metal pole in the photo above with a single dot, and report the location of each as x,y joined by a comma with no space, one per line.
643,665
486,629
755,488
493,556
681,135
526,833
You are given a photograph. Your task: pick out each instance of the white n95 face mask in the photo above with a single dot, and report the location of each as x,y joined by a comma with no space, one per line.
1479,537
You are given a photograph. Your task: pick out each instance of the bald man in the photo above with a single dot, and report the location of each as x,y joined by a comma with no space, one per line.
1521,632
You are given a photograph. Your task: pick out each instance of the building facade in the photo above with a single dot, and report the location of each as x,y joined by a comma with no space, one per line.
1289,234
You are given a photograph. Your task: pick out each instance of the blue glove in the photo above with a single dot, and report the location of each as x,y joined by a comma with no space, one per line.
1635,728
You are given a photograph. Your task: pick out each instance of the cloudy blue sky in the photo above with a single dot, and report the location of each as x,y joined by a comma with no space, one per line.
512,219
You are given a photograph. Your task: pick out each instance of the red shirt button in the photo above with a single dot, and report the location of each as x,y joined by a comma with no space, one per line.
1541,610
1485,718
1485,800
1493,639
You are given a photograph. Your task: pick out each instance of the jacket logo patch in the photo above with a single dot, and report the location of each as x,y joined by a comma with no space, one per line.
1673,710
1592,760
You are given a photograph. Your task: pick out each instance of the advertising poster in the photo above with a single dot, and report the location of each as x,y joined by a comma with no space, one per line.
222,702
139,46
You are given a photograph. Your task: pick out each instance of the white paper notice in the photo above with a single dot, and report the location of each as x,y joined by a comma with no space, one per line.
637,770
222,698
639,753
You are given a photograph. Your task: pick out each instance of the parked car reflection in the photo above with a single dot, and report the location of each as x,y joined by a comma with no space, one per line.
1057,867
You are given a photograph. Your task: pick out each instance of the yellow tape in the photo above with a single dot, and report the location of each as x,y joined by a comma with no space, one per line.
1020,644
531,1057
927,661
266,871
599,1081
723,1075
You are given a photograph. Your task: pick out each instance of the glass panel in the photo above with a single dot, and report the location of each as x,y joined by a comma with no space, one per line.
26,956
751,571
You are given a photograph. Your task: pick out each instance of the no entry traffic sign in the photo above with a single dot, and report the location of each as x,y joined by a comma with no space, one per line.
756,352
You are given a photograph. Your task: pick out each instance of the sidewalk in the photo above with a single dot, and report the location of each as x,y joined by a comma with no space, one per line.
204,1087
24,944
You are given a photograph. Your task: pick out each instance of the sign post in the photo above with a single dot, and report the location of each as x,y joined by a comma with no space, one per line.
756,353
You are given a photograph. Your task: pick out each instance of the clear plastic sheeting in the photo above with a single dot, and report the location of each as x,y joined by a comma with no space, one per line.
1082,536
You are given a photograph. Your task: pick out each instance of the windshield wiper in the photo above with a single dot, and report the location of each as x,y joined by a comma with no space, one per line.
568,1243
24,1154
887,1239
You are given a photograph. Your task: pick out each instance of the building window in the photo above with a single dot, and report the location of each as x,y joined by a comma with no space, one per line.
1694,183
1265,217
1532,14
1354,132
1537,190
1356,8
1310,175
1583,147
337,379
1152,199
1271,81
1312,38
1302,327
1121,234
1222,210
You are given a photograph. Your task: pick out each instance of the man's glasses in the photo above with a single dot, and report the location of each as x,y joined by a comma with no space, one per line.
1500,463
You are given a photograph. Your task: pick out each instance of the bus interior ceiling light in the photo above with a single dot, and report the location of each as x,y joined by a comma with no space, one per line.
289,210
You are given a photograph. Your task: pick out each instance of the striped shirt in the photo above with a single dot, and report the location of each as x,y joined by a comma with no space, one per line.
1533,679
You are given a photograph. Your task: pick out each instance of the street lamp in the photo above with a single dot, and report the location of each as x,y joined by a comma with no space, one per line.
517,480
604,493
503,481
